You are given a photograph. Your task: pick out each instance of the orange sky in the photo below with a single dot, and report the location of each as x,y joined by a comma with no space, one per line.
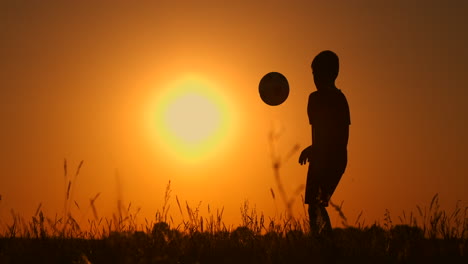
79,81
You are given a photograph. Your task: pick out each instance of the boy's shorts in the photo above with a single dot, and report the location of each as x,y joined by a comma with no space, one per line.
322,182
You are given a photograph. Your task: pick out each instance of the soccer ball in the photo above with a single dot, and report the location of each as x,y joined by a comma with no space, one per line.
273,88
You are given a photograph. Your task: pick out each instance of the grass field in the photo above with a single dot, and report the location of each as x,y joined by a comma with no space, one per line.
428,235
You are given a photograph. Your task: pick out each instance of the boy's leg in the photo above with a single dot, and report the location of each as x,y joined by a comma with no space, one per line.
319,220
326,228
326,191
314,212
317,196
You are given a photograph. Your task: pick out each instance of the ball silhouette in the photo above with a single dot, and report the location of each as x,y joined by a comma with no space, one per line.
273,88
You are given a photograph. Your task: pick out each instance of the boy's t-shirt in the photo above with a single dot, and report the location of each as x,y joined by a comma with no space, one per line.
329,115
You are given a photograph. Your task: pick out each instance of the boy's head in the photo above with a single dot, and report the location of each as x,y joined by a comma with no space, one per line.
325,67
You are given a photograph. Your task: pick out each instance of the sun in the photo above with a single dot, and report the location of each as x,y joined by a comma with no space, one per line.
192,118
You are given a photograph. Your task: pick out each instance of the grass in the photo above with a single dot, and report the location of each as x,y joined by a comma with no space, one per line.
428,234
197,239
207,240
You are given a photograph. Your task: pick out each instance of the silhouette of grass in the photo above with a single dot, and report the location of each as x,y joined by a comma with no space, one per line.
208,240
430,232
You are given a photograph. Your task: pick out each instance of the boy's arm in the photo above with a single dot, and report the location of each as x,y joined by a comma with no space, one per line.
308,152
306,155
340,141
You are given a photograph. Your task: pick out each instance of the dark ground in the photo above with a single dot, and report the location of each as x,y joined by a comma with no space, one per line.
402,244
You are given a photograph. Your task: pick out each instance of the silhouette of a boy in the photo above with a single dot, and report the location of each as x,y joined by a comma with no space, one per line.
329,116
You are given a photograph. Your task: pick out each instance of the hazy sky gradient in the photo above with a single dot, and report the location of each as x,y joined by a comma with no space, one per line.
78,81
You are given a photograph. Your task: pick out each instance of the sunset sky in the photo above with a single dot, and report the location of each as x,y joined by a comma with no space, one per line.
103,83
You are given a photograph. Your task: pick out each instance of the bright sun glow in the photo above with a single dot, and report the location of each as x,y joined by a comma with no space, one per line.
192,119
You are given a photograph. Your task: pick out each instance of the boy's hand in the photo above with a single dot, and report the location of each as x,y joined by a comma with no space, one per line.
306,155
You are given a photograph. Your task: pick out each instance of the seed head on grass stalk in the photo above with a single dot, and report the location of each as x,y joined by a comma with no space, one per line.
69,185
38,208
93,207
162,216
180,208
339,209
76,177
120,206
357,223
